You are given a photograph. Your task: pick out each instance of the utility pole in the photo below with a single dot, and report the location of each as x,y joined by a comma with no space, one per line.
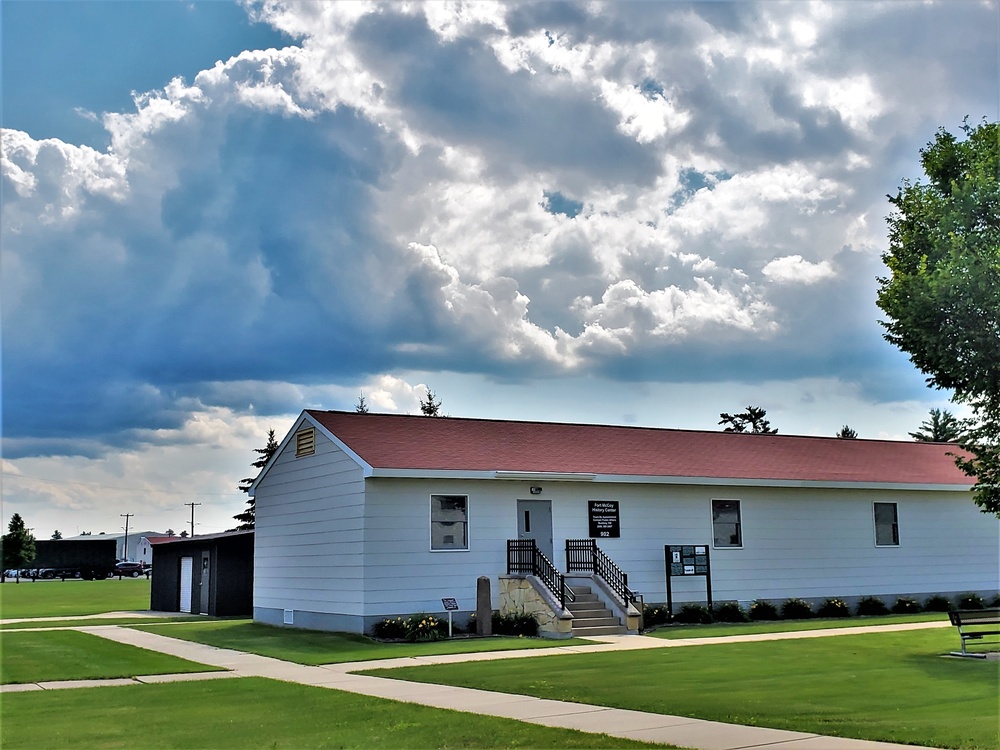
126,516
192,515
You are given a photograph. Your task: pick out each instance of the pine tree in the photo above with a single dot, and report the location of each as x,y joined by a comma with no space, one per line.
847,433
18,544
362,406
940,427
430,407
248,517
57,534
753,418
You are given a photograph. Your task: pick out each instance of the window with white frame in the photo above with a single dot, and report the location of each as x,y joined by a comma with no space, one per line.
449,522
886,525
726,528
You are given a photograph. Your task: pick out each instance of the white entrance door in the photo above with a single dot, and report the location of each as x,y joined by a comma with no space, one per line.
534,521
187,576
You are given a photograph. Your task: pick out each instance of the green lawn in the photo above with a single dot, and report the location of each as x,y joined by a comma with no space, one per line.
78,622
312,647
893,687
250,713
72,598
71,655
785,626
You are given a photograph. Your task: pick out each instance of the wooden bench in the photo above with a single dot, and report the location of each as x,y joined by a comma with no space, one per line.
975,624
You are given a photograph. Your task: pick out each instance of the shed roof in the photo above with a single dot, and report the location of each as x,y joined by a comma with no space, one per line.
417,443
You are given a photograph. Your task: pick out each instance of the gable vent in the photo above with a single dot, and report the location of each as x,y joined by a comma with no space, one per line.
305,442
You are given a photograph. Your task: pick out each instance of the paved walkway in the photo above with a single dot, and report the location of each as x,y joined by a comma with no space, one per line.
649,727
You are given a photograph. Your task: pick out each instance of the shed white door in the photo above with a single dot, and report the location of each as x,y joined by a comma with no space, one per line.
187,576
534,521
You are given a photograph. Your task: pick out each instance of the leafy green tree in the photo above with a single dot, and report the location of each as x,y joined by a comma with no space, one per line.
752,420
430,406
942,298
248,517
940,427
56,534
18,545
847,433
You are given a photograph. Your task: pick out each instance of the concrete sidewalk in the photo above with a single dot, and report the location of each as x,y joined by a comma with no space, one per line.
648,727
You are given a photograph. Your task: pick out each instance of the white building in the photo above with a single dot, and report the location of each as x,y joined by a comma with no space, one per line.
364,516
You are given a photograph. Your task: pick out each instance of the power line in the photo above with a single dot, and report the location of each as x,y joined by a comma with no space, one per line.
7,475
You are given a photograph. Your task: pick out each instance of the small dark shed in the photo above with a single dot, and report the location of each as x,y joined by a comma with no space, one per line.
207,575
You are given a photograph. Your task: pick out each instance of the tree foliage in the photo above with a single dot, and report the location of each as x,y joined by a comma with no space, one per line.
430,406
940,427
752,420
847,433
56,534
362,406
248,517
18,544
942,298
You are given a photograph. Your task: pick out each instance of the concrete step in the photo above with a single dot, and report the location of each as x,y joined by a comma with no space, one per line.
580,589
585,599
588,611
596,622
603,630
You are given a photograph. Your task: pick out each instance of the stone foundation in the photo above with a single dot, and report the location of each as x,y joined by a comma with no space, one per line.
525,594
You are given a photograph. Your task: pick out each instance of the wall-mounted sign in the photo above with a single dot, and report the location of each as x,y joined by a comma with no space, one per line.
605,523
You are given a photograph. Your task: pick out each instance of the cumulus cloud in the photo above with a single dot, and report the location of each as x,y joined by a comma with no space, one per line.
295,225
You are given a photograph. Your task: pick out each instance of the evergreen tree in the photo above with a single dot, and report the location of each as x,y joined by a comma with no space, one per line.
752,420
847,433
430,407
57,534
940,427
18,544
362,406
248,517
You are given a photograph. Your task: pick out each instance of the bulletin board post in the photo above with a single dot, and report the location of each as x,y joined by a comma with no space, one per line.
685,561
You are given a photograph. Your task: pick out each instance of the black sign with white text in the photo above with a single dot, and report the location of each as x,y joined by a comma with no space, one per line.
605,523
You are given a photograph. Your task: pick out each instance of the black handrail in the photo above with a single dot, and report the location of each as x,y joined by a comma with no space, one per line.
524,557
585,555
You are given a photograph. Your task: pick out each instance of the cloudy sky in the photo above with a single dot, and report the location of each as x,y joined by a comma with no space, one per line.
216,215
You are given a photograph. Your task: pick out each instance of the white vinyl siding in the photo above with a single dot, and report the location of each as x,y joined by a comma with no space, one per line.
309,537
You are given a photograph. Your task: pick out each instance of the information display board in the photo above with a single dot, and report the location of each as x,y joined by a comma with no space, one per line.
685,560
605,521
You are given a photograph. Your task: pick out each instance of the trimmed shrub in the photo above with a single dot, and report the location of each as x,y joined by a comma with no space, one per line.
694,614
761,609
834,608
905,606
390,630
795,609
970,601
869,606
937,603
729,612
654,616
995,601
515,624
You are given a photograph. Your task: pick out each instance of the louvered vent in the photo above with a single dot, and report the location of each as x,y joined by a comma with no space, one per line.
305,442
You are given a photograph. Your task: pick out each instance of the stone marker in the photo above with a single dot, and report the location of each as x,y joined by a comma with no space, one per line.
484,608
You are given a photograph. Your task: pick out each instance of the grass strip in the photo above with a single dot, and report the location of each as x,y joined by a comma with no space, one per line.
51,655
720,629
72,598
83,623
314,647
892,687
251,712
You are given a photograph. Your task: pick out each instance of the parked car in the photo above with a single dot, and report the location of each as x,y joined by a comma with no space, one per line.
132,569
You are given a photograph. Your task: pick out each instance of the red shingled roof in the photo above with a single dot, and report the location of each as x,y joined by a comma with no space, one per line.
392,441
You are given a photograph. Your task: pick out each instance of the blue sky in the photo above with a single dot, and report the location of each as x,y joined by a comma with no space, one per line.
215,215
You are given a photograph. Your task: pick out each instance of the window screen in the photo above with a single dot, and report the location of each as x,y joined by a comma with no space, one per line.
449,522
886,525
726,523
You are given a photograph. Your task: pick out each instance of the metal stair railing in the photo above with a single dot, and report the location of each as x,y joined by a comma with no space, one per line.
585,555
524,557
